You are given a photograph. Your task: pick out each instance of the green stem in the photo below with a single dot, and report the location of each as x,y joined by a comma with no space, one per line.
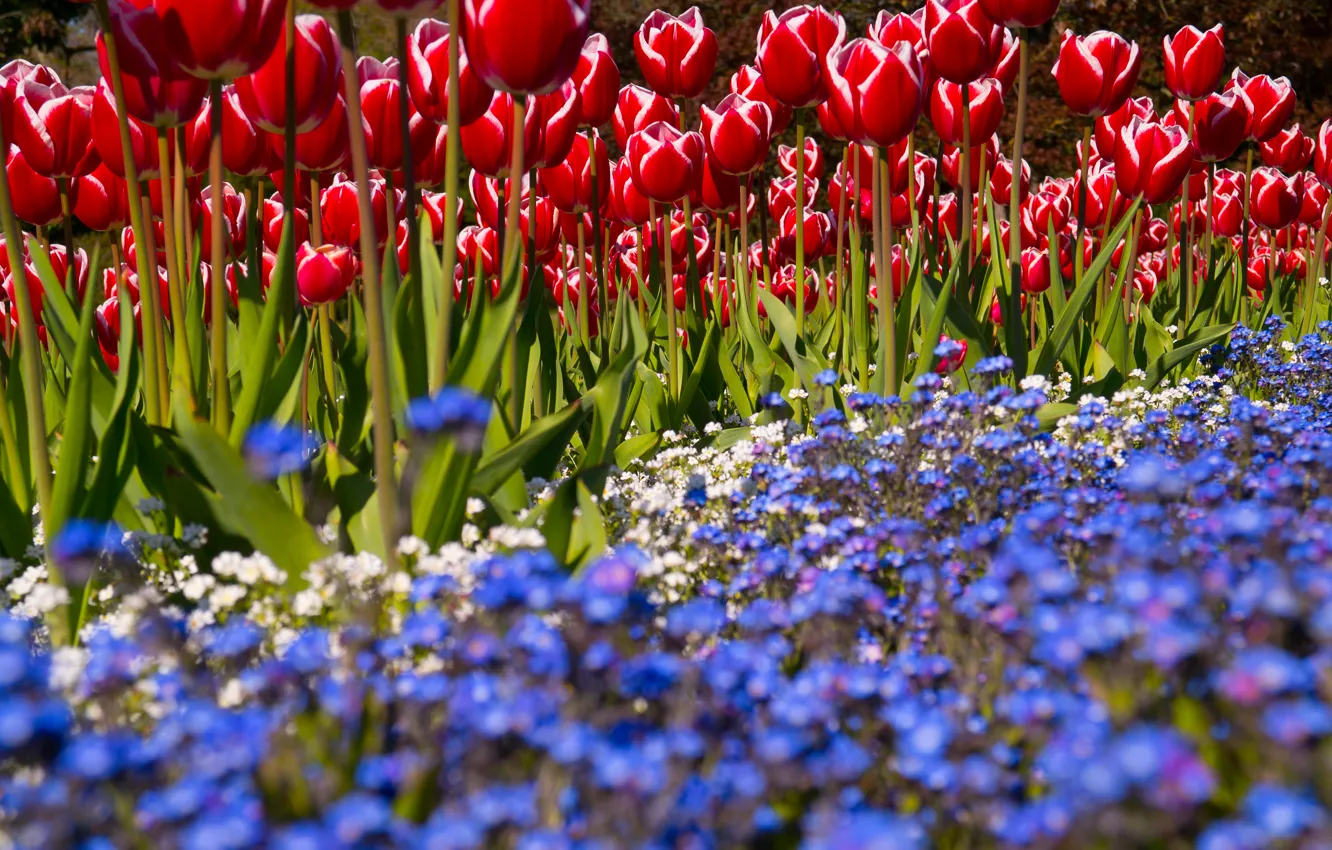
444,331
800,231
217,331
386,487
151,320
887,323
180,367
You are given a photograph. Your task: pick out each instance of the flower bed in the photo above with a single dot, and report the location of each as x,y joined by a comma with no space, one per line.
961,629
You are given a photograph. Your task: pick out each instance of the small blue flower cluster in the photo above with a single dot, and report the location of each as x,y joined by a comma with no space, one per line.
954,632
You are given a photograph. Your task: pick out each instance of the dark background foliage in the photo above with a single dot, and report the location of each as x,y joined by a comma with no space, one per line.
1279,37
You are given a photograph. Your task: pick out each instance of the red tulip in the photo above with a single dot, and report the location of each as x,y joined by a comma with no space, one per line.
1228,212
889,28
274,217
795,50
233,220
525,46
1258,271
1271,103
897,270
1274,199
749,82
430,163
1289,150
986,101
737,134
324,274
106,325
1020,13
268,262
964,44
718,192
382,102
665,163
1110,125
340,220
53,128
782,194
1042,210
876,92
35,198
818,230
106,137
555,118
676,55
318,79
1006,66
485,197
1322,165
13,73
1194,60
636,108
1001,180
478,245
328,146
157,89
486,141
1316,196
597,78
1035,270
814,165
569,184
244,146
1102,191
221,39
1152,160
784,287
1220,122
986,154
628,204
1096,73
428,76
103,202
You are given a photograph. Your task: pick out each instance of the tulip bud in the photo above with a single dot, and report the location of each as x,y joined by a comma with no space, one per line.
964,44
1194,61
569,184
749,82
1020,13
1220,122
525,46
986,108
597,79
1152,160
323,274
877,93
665,163
1096,73
428,76
318,79
676,55
1289,150
1271,103
1274,199
222,39
638,108
102,200
794,52
736,134
35,198
53,128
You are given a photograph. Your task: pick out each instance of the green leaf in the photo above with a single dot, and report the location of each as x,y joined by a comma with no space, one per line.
258,366
72,465
929,340
635,448
1071,315
1184,351
248,507
541,444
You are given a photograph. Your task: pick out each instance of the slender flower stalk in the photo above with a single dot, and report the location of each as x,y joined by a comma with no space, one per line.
440,367
799,227
887,323
408,164
1186,245
152,336
964,247
385,479
221,389
180,365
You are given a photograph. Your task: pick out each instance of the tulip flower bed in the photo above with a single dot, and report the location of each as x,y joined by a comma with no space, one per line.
422,463
964,631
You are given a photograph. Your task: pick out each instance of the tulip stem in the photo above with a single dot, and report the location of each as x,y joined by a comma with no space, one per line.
800,231
964,248
444,331
887,325
31,356
1244,230
1185,246
763,230
180,367
150,288
1207,235
67,213
603,303
221,400
150,336
839,265
386,489
1315,263
512,243
408,162
667,292
584,332
1079,259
